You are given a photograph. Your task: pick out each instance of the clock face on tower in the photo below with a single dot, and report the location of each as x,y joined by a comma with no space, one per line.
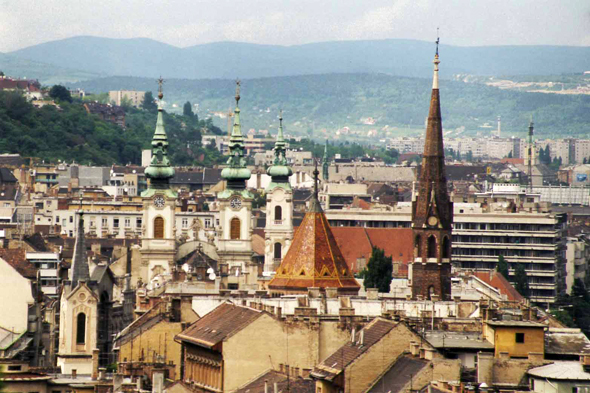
159,202
432,221
235,203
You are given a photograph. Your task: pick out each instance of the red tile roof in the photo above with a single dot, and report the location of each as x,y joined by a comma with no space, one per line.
357,243
221,323
18,260
498,281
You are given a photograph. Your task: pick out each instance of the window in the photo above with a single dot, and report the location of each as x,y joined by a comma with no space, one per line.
278,250
519,338
431,247
138,223
81,329
105,222
14,368
158,228
234,232
278,213
207,222
185,223
127,222
71,218
92,222
446,249
115,223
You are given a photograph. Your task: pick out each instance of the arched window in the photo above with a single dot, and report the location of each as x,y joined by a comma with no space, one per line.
431,292
278,250
81,329
234,229
431,247
446,248
278,213
158,228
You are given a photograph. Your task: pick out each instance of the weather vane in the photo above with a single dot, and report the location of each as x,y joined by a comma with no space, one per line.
160,83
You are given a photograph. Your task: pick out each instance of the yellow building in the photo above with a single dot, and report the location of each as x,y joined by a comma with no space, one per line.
515,338
149,340
232,345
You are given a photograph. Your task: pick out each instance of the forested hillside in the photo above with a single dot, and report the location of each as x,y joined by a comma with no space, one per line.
70,133
398,105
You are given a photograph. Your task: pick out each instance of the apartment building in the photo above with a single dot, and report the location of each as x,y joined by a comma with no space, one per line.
47,264
507,222
135,97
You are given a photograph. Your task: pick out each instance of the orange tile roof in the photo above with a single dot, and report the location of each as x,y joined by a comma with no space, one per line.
498,281
357,243
314,260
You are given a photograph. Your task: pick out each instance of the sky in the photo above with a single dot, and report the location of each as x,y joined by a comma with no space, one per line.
185,23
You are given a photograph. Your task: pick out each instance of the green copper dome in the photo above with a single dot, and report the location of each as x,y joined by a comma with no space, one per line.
236,173
159,171
280,170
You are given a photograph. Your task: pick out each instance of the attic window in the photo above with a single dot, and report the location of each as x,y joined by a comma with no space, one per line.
519,338
302,272
326,273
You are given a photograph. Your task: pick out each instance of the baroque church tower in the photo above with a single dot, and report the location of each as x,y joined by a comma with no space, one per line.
279,206
432,212
158,246
234,244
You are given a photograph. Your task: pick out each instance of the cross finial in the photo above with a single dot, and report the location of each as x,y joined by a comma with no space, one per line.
160,84
238,82
281,117
316,174
437,41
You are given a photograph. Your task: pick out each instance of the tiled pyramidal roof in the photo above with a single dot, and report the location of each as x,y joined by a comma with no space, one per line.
314,259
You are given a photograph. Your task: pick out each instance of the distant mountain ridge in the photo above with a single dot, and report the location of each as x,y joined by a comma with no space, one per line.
143,57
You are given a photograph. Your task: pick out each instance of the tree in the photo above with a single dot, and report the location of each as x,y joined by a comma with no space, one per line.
469,156
510,154
187,110
502,266
379,271
60,93
520,280
149,103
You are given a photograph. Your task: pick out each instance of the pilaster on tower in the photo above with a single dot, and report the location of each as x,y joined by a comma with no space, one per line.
432,210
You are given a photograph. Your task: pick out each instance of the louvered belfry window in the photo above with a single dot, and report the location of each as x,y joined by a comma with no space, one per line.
158,228
234,232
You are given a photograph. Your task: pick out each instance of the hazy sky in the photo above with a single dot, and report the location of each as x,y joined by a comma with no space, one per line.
189,22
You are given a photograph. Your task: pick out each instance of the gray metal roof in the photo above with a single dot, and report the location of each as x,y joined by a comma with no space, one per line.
466,340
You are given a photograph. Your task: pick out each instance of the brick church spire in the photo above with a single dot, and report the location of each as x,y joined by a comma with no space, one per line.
432,210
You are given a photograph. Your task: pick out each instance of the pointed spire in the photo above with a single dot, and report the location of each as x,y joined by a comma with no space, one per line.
159,171
325,163
80,270
280,170
237,173
314,204
436,62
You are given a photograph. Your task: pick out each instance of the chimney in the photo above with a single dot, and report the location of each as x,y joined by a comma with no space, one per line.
158,381
101,374
276,388
352,335
266,386
95,353
362,339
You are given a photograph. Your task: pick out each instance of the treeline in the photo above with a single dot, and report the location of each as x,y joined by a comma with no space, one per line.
69,133
312,103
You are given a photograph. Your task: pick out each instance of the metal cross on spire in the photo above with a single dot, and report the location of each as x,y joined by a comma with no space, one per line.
238,82
160,84
437,41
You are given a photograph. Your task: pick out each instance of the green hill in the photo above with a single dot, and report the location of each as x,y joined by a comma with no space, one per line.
397,104
70,133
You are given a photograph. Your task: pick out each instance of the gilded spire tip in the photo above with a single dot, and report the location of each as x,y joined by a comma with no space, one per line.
160,84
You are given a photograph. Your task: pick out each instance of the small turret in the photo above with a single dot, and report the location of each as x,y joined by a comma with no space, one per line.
237,173
280,170
159,171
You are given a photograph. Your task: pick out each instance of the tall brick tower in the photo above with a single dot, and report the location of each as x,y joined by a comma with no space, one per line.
432,212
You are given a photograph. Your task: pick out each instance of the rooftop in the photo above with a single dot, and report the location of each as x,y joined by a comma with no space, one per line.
525,324
561,371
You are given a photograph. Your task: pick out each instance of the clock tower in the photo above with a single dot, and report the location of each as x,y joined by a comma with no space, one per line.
432,212
235,212
158,245
279,207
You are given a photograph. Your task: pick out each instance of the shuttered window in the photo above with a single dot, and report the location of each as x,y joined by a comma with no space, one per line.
234,233
158,228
